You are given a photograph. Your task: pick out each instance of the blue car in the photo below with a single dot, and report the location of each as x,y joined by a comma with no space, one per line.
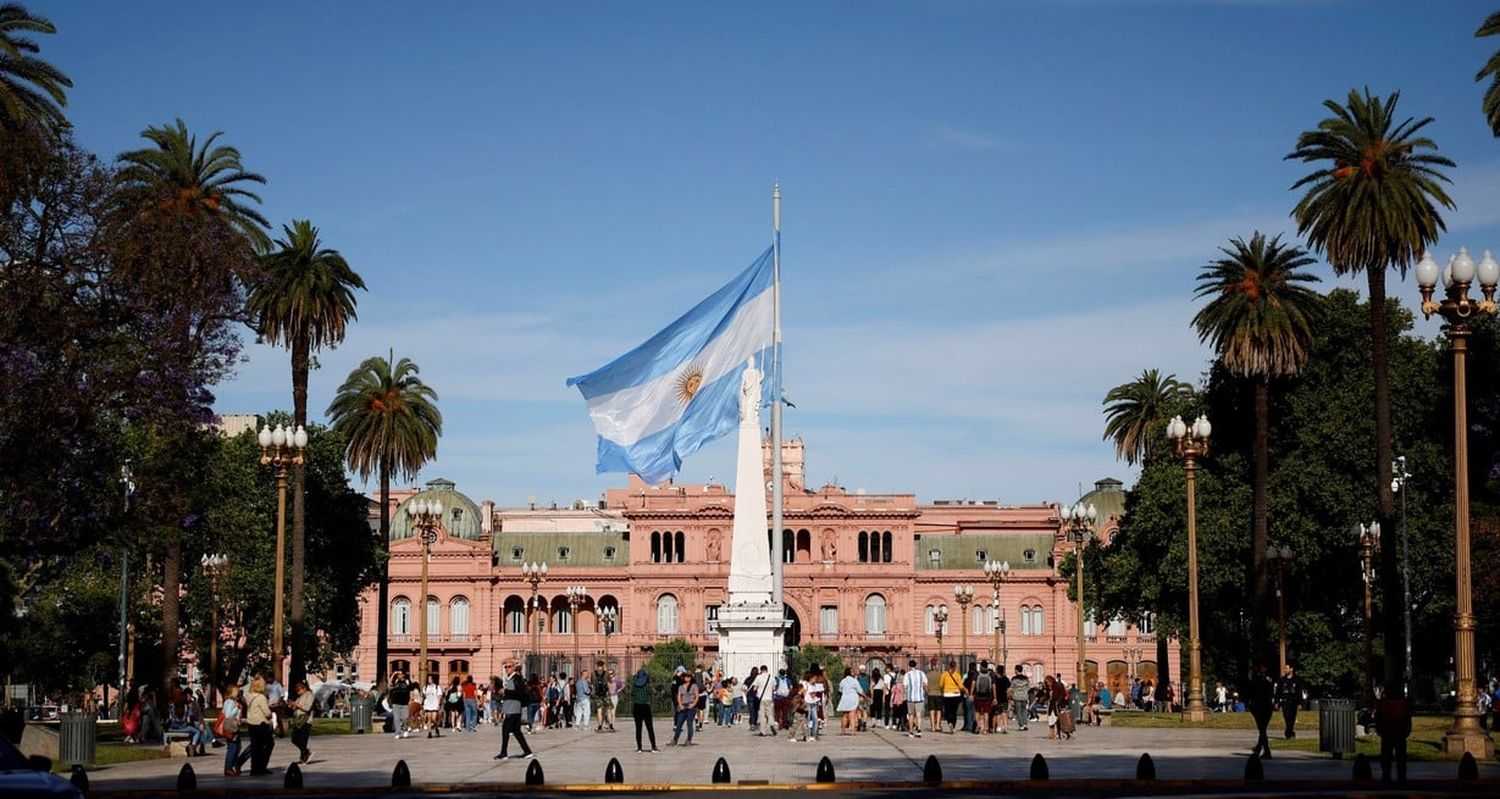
21,779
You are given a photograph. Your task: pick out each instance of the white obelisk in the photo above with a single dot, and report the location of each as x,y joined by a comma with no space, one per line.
751,623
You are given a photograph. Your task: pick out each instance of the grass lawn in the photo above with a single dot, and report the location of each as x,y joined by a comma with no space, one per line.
1426,742
112,754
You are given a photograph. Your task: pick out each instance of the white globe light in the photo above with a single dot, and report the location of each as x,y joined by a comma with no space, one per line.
264,437
1427,271
1463,267
1093,512
1489,270
301,438
1448,272
278,436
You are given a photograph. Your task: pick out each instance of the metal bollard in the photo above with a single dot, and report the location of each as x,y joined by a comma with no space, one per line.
401,775
613,773
187,779
932,771
1145,768
534,774
825,770
721,771
1039,770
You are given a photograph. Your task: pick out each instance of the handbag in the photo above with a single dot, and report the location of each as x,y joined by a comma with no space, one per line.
1051,719
219,727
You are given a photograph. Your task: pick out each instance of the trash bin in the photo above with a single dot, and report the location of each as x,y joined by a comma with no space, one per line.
75,743
359,717
1336,726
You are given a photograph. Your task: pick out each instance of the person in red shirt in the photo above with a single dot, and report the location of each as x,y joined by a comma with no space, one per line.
470,693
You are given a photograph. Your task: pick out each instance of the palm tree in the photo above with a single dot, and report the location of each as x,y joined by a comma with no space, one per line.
31,90
1372,205
391,424
1491,27
183,206
1136,410
304,300
1259,319
179,177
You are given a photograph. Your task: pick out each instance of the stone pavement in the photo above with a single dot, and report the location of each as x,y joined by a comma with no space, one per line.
571,757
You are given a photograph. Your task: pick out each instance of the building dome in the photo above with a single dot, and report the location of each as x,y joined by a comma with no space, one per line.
1109,497
461,517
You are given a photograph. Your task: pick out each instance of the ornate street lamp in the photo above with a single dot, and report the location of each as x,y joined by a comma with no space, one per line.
609,616
281,448
1079,521
940,619
1456,307
424,516
1398,486
577,595
1190,444
997,571
963,595
535,574
214,568
1280,558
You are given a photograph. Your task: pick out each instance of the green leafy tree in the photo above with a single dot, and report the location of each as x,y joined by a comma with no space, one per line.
1372,205
1491,70
1133,410
1259,319
390,421
32,91
304,301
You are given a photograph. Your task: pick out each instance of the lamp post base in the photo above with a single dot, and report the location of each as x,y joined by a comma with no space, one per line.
1467,736
1195,711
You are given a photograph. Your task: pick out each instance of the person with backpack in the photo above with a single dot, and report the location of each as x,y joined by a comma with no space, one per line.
984,697
781,696
1001,718
640,708
599,690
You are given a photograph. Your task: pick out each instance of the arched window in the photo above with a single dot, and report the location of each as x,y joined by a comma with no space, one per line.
983,619
804,546
875,614
864,547
458,617
403,666
401,616
1038,674
562,618
515,615
679,548
666,615
885,546
1147,625
655,547
434,617
788,547
929,619
1089,628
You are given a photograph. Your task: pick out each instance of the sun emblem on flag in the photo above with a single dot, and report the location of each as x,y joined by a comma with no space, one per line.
689,383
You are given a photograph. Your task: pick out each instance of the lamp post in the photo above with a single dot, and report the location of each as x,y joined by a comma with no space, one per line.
577,594
1398,485
963,595
609,615
997,571
535,574
1190,443
281,448
127,482
940,620
1369,542
1280,558
214,567
424,516
1465,735
1079,521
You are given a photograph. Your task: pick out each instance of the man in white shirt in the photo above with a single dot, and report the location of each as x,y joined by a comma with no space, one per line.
916,696
761,723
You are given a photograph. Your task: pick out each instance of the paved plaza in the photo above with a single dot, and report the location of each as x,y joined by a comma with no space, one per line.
570,757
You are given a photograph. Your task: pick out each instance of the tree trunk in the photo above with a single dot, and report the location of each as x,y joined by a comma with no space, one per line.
382,614
299,513
1259,538
171,617
1385,514
1163,674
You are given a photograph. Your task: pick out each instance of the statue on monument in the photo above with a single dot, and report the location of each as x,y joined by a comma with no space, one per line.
749,392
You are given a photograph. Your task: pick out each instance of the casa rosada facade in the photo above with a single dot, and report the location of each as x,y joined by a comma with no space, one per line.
864,575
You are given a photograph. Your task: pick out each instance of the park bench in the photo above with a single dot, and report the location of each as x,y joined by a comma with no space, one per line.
176,743
1104,717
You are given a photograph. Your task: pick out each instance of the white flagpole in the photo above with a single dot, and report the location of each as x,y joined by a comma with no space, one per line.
776,492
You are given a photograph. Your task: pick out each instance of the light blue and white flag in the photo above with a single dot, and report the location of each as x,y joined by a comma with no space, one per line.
665,399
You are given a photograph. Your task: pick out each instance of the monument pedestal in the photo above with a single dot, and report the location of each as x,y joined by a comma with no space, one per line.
751,636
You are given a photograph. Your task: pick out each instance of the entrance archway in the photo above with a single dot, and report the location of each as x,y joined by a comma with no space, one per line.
793,634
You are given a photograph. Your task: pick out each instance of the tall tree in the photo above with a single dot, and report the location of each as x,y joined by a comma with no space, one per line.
1259,319
31,90
1371,205
391,422
304,301
1134,410
1491,70
177,177
187,229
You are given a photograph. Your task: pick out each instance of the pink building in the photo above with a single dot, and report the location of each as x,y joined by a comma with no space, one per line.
864,575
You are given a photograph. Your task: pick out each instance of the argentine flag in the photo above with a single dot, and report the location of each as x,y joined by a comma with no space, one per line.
665,399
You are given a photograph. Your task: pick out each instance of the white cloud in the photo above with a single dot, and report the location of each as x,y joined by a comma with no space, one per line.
949,136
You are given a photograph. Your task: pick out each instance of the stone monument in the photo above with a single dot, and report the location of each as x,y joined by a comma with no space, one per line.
752,621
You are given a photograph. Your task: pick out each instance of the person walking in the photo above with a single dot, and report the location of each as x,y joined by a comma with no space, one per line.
915,684
1262,694
262,738
1289,694
1393,722
814,694
229,727
1020,697
781,699
953,695
302,713
935,696
399,700
583,692
849,699
470,693
599,690
513,698
640,708
686,698
760,703
432,705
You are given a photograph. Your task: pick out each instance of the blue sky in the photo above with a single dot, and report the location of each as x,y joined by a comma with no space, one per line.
993,211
